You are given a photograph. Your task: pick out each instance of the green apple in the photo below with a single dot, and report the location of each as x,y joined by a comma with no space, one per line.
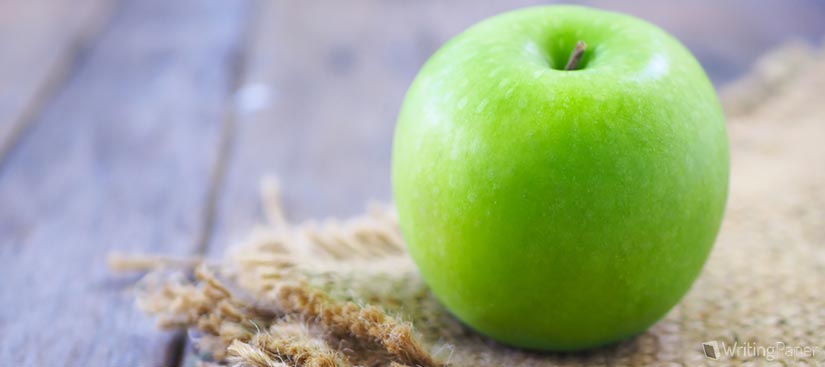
560,209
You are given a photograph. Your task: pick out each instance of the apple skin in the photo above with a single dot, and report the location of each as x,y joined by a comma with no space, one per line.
553,209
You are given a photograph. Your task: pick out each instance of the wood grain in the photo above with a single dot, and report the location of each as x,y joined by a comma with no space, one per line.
40,41
121,159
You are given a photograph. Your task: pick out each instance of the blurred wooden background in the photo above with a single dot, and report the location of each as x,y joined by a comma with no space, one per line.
145,125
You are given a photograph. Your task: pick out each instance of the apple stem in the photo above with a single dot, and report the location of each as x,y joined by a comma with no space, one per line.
576,56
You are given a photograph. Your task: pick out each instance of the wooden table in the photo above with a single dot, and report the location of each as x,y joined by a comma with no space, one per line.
144,126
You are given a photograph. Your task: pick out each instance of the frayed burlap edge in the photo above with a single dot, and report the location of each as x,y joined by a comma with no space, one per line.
265,305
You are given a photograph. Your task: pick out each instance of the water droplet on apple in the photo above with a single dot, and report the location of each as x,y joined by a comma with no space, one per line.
482,105
462,103
532,48
471,197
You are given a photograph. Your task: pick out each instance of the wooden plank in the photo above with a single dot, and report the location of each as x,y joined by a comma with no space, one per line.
122,159
39,41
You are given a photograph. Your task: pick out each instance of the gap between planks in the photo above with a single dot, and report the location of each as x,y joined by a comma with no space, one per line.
182,355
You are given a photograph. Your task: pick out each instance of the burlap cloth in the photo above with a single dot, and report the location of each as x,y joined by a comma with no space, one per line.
344,293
